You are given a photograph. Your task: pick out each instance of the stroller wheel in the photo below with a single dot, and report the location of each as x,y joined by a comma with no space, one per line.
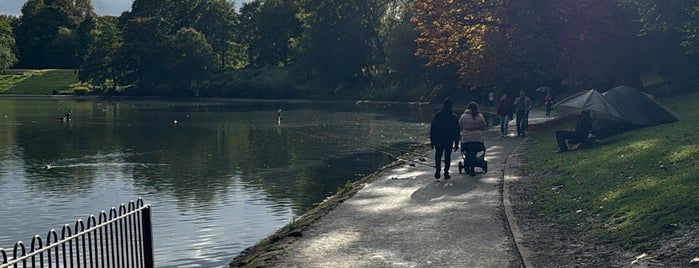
461,167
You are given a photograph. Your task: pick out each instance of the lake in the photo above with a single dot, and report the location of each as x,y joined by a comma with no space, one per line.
220,174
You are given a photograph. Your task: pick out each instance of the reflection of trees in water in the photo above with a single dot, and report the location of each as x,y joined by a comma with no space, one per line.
305,159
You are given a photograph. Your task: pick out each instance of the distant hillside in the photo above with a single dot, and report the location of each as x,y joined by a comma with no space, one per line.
38,82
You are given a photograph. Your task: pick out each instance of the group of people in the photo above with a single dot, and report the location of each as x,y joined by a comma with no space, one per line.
507,108
448,131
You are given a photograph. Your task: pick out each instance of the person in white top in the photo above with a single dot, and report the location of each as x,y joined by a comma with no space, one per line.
472,124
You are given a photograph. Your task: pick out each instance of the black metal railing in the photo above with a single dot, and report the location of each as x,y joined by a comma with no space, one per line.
121,238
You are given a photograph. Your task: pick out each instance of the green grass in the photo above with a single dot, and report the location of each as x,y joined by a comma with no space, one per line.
631,188
38,82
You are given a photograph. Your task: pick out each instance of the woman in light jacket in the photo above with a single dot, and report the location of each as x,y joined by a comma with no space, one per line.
472,124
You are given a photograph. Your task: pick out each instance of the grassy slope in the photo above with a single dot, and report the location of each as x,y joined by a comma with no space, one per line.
37,82
621,191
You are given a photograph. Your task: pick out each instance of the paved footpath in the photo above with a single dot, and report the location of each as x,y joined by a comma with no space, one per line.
406,219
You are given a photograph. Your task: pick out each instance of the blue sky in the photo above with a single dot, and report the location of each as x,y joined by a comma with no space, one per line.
102,7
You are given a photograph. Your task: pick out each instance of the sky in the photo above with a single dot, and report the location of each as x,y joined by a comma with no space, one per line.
102,7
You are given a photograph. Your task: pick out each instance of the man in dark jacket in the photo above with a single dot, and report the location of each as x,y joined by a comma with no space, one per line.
444,133
582,129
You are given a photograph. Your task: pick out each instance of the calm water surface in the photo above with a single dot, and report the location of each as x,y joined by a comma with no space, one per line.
220,175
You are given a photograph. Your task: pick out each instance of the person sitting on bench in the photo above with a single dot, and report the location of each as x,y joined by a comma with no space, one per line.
582,129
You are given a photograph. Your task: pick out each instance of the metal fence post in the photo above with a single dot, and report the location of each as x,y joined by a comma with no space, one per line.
147,238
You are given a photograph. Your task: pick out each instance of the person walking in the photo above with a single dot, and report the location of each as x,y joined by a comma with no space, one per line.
491,99
504,111
522,106
472,124
444,132
548,101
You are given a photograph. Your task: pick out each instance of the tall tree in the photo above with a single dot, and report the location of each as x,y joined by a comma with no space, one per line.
98,66
46,35
271,42
145,31
681,16
31,34
7,44
581,42
216,23
467,34
149,57
191,61
340,41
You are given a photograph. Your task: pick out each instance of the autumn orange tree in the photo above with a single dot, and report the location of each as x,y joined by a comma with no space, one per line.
476,36
579,42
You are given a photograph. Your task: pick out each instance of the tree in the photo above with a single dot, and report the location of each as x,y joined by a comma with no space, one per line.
145,31
7,44
340,43
192,60
97,66
216,23
271,42
31,33
46,34
471,35
150,57
580,42
672,15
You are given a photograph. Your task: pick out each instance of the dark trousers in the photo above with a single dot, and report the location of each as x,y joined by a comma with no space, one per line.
563,135
471,149
504,124
522,118
548,109
442,150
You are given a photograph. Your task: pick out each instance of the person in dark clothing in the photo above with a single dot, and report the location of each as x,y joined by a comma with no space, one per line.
548,101
505,111
582,129
522,106
444,133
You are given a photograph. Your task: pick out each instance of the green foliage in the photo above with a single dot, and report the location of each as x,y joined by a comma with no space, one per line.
80,89
492,42
632,187
98,65
340,45
217,23
669,16
345,188
163,51
270,41
357,48
46,33
43,82
7,44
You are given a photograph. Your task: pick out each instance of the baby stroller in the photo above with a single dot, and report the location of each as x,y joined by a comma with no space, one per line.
478,148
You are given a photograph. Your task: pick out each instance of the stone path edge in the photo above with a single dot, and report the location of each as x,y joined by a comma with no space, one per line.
509,176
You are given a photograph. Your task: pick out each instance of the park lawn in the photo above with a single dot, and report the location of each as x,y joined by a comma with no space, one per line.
38,82
631,188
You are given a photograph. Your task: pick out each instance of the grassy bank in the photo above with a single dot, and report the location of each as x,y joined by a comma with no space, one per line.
632,188
38,82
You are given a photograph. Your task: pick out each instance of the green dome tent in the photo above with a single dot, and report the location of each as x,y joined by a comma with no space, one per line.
619,109
637,107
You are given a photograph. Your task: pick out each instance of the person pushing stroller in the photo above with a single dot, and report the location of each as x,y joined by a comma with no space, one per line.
472,124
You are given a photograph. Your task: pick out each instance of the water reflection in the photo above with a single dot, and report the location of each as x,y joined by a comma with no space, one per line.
220,175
